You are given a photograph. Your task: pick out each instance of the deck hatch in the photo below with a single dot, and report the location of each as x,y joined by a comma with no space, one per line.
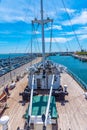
39,106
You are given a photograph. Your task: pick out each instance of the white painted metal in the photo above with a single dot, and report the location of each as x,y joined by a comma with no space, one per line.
31,97
48,105
56,83
4,122
45,83
65,88
42,24
38,120
85,95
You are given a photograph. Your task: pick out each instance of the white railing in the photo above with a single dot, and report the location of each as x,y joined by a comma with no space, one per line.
81,82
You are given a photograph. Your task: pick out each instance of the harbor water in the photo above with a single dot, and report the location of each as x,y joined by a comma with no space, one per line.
75,66
12,55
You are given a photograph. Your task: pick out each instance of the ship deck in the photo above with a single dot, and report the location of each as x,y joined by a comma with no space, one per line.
72,112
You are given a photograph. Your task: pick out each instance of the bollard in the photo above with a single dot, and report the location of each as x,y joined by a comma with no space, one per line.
85,95
65,88
4,122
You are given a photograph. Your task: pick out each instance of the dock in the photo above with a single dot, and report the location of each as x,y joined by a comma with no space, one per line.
72,112
12,75
80,57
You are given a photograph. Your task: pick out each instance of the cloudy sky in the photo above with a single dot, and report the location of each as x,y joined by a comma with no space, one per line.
69,29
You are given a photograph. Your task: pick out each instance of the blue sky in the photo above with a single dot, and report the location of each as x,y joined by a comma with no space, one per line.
16,30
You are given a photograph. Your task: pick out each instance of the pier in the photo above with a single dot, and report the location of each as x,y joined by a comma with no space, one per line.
12,75
80,57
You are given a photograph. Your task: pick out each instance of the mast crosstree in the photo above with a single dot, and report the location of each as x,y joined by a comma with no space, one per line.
42,22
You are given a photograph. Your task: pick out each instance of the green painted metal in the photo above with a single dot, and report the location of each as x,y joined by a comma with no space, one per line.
39,106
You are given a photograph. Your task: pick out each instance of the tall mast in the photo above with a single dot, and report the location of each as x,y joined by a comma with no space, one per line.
43,42
42,22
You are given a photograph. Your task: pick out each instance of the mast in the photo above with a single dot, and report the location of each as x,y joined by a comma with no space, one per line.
42,22
43,42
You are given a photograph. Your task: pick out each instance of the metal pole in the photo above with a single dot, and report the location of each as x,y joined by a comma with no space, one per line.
43,41
31,98
48,105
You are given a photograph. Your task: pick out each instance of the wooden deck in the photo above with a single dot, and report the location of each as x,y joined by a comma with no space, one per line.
15,109
72,112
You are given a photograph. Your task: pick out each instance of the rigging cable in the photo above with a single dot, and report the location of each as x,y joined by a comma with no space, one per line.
35,35
53,39
50,49
66,38
62,26
57,45
71,25
31,44
35,30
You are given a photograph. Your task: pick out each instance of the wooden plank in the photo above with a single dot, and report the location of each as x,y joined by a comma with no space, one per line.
15,109
73,114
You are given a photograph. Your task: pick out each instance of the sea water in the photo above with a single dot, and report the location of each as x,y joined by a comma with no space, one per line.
12,55
78,67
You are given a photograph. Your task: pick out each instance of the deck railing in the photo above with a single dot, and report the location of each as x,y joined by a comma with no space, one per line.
80,82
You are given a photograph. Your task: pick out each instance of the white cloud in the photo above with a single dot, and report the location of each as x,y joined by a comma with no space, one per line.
22,10
82,37
36,32
54,27
80,31
80,18
57,39
11,11
68,10
51,14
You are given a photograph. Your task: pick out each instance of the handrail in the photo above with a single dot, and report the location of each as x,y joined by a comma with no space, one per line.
31,97
81,82
48,105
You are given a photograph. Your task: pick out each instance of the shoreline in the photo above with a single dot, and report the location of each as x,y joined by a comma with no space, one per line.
12,75
82,58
